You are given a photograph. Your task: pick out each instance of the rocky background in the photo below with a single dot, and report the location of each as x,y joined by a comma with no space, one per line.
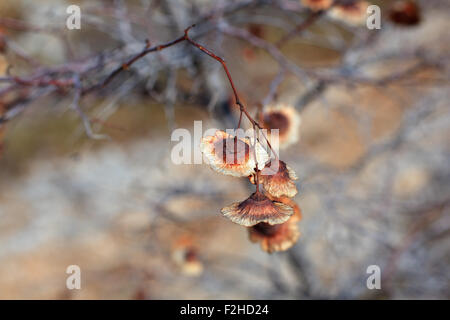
373,158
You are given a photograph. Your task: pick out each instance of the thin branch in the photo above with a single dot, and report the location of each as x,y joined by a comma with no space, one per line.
86,121
310,20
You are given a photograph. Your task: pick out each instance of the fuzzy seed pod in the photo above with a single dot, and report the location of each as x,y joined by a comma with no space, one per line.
256,209
229,155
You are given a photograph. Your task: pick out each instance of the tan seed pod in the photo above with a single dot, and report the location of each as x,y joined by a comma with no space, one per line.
256,209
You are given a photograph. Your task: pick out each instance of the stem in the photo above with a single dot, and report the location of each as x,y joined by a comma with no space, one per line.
242,108
302,26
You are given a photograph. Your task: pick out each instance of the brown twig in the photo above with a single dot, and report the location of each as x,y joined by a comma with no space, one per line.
311,19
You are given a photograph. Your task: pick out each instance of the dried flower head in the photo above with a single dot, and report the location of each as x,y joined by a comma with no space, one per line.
230,155
3,65
257,30
353,13
2,40
317,5
405,13
256,209
284,118
185,256
2,129
297,216
277,179
278,237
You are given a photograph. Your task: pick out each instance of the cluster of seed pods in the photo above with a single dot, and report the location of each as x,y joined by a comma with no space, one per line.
354,12
269,213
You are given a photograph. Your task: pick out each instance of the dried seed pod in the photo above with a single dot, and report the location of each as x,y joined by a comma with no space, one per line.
297,216
3,65
278,179
257,30
317,5
2,40
185,256
284,118
2,129
278,237
405,13
229,155
256,209
353,13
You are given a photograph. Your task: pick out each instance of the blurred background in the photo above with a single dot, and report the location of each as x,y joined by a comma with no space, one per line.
86,176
